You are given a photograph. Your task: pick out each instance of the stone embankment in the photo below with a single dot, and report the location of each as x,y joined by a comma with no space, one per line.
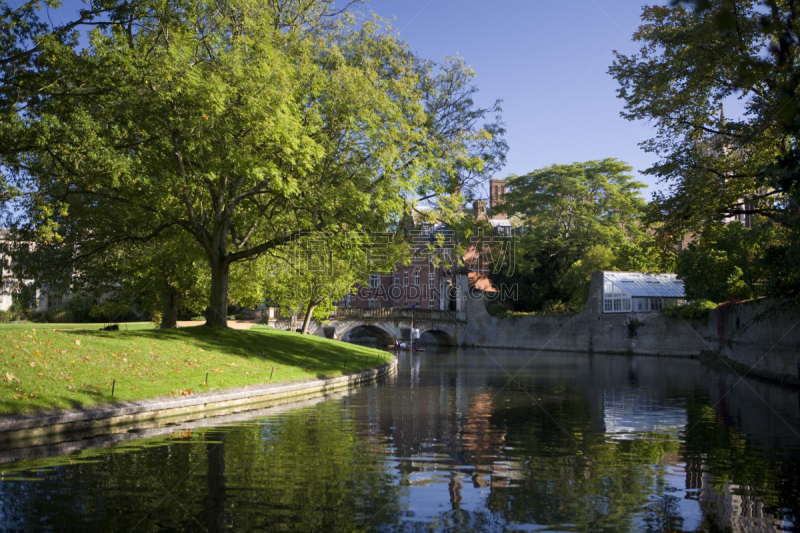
760,338
44,427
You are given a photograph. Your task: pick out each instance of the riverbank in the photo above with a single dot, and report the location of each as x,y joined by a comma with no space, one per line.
55,367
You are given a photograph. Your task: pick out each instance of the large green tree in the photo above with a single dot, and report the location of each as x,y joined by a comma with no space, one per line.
692,61
732,261
311,272
574,219
241,122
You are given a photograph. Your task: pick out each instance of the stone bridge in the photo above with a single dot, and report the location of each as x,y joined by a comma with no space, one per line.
385,324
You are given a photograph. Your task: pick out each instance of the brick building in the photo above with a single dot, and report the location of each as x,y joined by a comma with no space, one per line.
428,281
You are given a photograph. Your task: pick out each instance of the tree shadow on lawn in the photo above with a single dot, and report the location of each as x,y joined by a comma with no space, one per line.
272,346
11,408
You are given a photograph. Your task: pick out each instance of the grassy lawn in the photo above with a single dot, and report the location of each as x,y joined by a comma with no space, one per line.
62,366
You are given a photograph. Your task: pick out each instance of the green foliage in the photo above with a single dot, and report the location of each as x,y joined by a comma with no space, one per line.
241,135
111,311
59,314
577,218
5,317
633,325
698,309
496,310
690,62
731,261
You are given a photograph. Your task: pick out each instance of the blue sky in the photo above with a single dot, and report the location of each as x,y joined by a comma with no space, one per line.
548,62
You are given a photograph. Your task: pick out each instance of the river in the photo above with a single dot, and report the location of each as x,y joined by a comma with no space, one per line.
456,440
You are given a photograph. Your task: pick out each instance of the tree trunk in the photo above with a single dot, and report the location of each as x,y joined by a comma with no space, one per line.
217,312
169,318
214,508
307,320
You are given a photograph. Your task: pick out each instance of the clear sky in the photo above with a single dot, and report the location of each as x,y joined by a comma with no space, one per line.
548,62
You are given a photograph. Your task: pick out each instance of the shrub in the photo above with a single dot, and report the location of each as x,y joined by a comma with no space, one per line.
79,307
698,309
60,314
497,310
110,311
241,316
198,319
5,316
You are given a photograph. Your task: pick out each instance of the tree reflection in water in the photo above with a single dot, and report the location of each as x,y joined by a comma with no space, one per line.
574,443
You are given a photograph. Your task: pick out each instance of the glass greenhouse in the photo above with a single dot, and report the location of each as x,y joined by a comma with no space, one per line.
634,292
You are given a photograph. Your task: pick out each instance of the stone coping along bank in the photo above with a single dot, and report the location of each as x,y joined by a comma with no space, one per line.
36,428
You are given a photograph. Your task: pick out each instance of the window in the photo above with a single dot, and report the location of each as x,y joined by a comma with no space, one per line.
373,302
349,300
416,278
374,281
397,279
430,304
432,280
405,304
405,280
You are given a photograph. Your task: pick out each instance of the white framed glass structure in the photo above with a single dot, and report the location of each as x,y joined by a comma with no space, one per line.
635,292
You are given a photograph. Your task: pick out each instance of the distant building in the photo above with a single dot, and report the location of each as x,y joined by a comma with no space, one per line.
635,292
425,283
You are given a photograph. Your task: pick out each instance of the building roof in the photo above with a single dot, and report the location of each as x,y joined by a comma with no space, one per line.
638,284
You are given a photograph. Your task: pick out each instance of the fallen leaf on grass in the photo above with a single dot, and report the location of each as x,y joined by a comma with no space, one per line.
186,392
10,377
78,342
32,364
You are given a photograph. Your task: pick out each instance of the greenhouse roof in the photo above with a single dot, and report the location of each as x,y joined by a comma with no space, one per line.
638,284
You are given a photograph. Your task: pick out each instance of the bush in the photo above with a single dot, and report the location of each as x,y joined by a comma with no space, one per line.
241,316
5,316
79,307
497,310
198,319
110,311
698,309
60,314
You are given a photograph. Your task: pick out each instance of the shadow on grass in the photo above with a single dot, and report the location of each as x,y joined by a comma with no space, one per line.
306,352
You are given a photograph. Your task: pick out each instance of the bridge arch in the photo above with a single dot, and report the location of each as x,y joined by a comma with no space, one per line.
384,336
442,337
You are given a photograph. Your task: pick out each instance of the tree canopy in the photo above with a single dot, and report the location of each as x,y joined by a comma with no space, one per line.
240,123
577,205
575,218
693,60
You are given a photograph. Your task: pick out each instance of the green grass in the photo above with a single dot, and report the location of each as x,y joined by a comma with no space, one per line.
63,366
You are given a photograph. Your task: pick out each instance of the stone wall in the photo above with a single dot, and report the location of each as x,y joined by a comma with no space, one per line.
589,331
759,337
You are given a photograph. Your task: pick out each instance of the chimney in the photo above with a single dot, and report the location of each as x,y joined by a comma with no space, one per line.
479,206
497,196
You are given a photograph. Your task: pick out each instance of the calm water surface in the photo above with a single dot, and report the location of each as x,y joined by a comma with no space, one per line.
452,443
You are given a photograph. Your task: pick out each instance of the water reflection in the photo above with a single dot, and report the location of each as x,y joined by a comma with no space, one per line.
451,443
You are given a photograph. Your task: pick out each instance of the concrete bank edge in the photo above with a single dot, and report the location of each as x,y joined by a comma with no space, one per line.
15,427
